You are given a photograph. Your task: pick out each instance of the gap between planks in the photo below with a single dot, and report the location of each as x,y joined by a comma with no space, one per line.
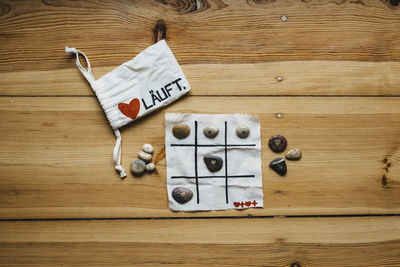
249,96
200,218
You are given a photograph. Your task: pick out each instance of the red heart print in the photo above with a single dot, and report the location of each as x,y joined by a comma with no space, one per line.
130,110
237,204
248,203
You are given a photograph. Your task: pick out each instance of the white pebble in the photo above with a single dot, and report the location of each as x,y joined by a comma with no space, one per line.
150,167
148,148
146,157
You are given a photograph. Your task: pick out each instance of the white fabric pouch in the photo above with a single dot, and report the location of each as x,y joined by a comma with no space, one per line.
150,80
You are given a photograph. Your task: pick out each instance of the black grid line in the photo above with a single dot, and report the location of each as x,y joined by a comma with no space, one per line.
225,176
226,162
212,145
195,162
214,176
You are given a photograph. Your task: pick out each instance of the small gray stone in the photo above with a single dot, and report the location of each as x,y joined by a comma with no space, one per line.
182,194
148,148
150,167
294,154
279,165
146,157
243,131
138,167
213,163
211,131
181,130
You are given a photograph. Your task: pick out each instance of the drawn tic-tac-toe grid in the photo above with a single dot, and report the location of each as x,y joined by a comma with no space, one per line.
238,184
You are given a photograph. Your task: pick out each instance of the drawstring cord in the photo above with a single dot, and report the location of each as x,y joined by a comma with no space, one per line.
87,73
90,78
117,154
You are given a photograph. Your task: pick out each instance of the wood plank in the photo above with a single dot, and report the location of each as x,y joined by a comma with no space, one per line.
299,78
56,157
34,34
363,241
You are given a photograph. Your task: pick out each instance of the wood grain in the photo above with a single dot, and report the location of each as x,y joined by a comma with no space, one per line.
56,157
56,146
33,34
299,78
358,241
315,52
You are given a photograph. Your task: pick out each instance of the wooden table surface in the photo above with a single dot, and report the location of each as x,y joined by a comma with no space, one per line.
62,203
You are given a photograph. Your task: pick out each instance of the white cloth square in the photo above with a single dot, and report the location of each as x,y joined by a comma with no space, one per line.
237,185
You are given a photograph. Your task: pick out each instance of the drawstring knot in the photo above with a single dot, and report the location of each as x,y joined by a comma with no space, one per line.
69,50
117,154
121,170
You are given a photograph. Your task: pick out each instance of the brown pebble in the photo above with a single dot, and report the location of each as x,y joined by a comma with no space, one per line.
277,143
181,130
211,131
243,131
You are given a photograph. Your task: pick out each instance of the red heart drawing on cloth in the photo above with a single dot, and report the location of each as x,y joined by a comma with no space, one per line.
237,204
130,110
248,203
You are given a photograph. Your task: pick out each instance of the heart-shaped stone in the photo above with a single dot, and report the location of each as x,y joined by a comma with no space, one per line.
182,194
248,203
130,110
213,163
